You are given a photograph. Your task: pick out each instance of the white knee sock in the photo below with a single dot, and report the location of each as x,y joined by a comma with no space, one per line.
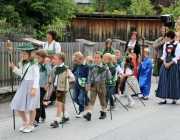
65,114
130,100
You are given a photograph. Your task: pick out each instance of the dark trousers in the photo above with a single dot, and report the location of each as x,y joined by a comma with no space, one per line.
40,112
53,97
160,62
86,101
109,91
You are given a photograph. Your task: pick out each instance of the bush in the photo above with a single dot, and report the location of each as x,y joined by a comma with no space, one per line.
116,12
89,10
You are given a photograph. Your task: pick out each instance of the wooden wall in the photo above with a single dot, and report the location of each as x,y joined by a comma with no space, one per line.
98,30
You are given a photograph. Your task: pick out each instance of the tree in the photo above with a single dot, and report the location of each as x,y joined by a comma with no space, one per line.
141,7
89,10
159,4
111,5
36,13
116,12
173,9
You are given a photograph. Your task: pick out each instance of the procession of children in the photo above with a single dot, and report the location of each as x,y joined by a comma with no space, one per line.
108,75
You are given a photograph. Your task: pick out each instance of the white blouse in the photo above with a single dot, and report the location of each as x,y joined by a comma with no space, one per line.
119,70
177,51
57,46
32,73
132,45
128,71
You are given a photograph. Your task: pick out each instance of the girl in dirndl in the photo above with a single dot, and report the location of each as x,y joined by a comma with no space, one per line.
27,97
131,84
169,78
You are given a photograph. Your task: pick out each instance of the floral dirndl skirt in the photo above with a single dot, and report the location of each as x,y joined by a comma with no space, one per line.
132,86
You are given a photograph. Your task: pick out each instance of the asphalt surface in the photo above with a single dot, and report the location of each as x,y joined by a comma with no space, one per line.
152,122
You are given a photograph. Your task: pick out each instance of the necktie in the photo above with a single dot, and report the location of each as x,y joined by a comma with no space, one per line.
42,68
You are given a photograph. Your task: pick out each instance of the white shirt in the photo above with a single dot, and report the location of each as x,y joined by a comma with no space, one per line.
57,46
128,71
132,45
56,79
32,73
119,71
177,51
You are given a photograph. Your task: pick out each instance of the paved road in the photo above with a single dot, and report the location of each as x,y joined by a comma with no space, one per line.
153,122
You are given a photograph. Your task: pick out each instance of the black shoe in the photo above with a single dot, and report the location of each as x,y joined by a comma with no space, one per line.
103,115
64,120
155,91
161,103
35,123
88,116
142,97
145,98
51,103
54,124
173,102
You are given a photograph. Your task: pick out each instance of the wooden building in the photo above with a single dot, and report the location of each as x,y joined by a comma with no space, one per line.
99,27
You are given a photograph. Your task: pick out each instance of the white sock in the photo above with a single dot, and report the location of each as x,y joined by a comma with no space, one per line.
103,110
89,111
130,100
57,119
174,100
65,114
163,100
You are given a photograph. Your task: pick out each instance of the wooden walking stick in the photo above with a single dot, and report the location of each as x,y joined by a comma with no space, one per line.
9,47
64,97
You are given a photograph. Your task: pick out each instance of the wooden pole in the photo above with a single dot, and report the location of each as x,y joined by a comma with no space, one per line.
9,46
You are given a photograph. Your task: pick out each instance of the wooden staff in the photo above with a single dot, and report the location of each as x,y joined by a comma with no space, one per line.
109,93
143,45
64,97
9,47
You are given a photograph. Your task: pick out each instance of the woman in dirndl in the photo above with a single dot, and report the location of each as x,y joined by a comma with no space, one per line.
131,84
27,97
169,78
52,47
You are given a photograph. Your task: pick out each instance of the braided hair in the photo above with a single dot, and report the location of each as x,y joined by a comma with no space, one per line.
129,62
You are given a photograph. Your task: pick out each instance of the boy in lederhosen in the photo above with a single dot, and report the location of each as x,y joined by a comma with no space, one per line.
96,85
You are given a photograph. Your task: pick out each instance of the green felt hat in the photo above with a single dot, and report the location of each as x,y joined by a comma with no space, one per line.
26,48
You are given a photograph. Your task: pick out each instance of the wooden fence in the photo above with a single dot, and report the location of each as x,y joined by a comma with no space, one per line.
68,48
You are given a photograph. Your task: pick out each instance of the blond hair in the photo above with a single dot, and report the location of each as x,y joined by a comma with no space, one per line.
100,53
117,51
108,55
61,56
166,28
89,60
31,57
146,50
77,56
114,59
178,35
